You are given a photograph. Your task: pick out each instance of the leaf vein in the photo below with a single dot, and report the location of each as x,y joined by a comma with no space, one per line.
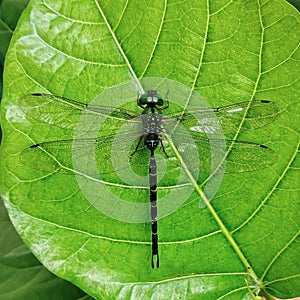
281,177
132,72
74,57
278,254
72,20
156,40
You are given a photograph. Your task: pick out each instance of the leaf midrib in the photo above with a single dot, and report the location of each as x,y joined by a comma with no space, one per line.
141,90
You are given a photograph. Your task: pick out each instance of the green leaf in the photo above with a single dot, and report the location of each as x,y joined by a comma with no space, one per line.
5,34
246,238
10,13
296,3
22,275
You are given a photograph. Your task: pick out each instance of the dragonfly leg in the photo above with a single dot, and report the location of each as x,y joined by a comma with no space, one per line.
124,112
163,148
137,146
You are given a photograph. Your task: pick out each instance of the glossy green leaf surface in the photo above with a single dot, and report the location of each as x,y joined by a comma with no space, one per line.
226,51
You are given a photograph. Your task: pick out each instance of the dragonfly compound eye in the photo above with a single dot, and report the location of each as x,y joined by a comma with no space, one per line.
151,98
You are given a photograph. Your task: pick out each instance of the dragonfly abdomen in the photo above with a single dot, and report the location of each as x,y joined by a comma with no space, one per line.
153,208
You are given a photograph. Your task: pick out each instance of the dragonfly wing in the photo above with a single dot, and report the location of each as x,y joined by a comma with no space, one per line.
93,157
210,153
65,113
245,157
227,119
55,156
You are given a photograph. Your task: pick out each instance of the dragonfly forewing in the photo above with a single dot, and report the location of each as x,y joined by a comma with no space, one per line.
70,114
227,119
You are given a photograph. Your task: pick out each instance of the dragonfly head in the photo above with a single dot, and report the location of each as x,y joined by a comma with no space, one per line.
151,99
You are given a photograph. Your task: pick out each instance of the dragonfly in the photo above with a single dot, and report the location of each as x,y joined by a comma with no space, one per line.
148,131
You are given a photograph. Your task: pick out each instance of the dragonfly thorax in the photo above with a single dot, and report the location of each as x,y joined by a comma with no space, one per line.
150,99
152,122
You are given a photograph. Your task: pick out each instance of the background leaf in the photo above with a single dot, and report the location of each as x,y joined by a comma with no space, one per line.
19,266
10,11
296,3
228,52
21,273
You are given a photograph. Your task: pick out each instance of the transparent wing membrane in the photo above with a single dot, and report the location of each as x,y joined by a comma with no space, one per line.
107,155
254,114
111,152
65,113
